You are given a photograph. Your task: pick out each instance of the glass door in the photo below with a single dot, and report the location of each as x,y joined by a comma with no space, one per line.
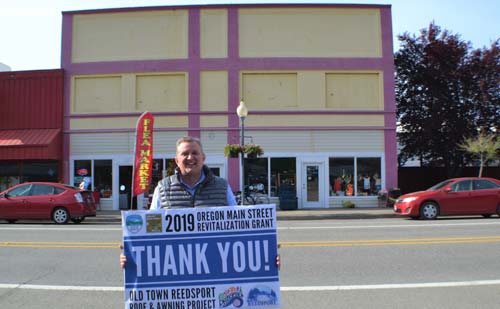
313,185
125,188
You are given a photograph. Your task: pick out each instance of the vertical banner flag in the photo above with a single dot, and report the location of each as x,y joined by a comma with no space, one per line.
201,258
143,161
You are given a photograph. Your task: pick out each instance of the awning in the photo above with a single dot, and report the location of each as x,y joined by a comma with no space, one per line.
30,144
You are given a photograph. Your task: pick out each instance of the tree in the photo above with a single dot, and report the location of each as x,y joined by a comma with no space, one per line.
484,86
484,147
444,91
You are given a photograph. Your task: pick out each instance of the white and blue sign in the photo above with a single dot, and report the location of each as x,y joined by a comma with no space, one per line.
194,258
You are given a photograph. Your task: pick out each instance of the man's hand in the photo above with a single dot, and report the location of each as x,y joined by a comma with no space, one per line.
278,259
123,258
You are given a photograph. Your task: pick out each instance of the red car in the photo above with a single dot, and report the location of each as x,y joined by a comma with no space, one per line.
46,200
457,196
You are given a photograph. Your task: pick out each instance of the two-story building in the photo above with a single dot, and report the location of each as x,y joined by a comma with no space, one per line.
317,80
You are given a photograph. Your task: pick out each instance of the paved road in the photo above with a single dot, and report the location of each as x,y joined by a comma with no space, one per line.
361,258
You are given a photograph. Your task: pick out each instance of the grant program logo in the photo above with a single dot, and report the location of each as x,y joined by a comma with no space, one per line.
134,223
261,295
231,297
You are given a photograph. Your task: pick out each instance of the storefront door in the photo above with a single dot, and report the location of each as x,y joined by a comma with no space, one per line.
313,186
125,187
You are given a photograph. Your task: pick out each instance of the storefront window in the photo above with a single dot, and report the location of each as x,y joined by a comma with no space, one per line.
103,177
15,172
283,175
83,174
215,171
341,176
10,174
256,174
171,165
157,174
39,171
368,170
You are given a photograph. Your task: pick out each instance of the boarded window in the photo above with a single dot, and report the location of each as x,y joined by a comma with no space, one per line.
353,91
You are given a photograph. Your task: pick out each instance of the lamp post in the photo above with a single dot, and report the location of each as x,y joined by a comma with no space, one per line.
242,112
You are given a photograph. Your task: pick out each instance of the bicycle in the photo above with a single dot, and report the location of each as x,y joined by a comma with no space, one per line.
252,196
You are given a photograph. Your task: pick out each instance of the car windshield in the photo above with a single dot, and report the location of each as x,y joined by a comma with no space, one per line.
439,185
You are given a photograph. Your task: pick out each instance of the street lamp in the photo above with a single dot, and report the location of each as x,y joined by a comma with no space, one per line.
242,112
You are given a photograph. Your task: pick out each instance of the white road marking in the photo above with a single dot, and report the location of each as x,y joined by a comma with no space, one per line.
385,226
61,287
283,289
390,286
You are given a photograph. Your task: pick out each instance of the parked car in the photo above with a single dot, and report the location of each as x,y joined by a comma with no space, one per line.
457,196
46,201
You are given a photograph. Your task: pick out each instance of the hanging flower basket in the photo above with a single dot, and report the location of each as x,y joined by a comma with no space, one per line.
253,151
232,150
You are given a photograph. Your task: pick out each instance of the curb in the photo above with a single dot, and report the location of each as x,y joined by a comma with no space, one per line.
114,216
336,216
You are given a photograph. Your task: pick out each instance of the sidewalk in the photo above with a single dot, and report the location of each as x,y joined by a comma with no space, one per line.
335,213
114,216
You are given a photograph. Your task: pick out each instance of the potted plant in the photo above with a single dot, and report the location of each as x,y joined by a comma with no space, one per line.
253,151
232,150
347,204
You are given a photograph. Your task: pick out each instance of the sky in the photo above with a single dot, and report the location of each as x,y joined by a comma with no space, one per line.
30,30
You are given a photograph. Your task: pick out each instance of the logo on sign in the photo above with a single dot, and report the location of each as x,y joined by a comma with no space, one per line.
153,223
231,297
134,223
261,296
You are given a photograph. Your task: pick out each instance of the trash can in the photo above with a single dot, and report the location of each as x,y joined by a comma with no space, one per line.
382,198
288,198
392,196
123,201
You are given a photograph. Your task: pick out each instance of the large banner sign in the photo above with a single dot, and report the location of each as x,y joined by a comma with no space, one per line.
143,161
201,258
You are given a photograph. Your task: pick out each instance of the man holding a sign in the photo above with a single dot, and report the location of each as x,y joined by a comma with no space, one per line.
209,258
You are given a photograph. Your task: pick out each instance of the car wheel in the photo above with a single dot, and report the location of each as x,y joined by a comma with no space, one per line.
429,211
60,215
11,221
486,215
77,220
